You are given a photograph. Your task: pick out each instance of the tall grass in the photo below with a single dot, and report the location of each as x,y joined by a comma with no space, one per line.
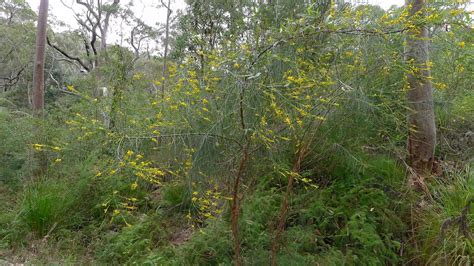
45,205
446,235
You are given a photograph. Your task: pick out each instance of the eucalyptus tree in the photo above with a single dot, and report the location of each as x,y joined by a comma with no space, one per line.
38,75
140,35
15,12
135,32
421,118
17,30
94,22
38,81
166,43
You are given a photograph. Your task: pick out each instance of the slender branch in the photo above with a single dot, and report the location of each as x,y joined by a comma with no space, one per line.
186,135
301,154
238,180
76,59
236,204
89,8
5,58
347,31
12,80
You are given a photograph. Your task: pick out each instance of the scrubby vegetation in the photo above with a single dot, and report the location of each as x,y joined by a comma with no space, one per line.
269,134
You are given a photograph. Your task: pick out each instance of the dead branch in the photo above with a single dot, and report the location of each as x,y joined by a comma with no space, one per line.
61,51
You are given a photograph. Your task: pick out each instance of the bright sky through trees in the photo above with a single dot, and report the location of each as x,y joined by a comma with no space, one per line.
151,15
145,9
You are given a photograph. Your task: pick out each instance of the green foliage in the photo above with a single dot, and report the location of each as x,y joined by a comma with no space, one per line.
178,196
210,246
446,236
53,204
45,205
14,147
137,177
354,220
357,214
463,110
132,244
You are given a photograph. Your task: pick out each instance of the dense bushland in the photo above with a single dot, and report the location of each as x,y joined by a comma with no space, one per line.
274,138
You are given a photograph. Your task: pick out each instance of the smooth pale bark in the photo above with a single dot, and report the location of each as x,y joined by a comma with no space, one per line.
105,28
421,119
38,75
165,55
38,85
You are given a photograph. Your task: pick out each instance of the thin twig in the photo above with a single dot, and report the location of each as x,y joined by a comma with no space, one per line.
186,135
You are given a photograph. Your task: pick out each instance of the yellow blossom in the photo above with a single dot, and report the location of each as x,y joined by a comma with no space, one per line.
71,88
137,76
299,121
38,147
129,153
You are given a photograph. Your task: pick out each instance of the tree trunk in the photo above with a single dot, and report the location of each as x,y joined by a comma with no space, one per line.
104,29
421,119
165,55
103,44
38,75
38,86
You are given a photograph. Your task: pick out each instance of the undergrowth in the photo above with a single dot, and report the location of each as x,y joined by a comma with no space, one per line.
140,178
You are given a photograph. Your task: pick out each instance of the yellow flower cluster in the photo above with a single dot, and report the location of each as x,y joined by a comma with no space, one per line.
209,205
135,169
43,147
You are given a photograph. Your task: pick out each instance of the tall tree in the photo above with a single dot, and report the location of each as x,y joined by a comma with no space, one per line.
38,81
18,34
38,75
167,37
421,119
94,24
140,34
